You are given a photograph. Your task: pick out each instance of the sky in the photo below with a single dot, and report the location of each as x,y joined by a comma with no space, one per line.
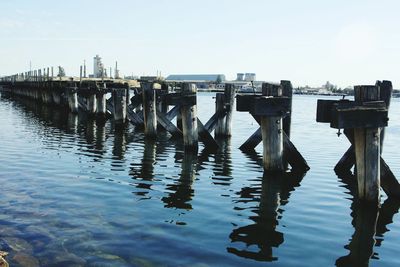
308,42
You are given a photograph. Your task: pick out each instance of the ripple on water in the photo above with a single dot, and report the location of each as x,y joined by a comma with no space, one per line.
77,192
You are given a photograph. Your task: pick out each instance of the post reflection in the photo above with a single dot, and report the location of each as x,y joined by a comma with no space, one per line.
370,225
271,196
143,173
223,163
181,191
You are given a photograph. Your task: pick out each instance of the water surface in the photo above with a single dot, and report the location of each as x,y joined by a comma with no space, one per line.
77,192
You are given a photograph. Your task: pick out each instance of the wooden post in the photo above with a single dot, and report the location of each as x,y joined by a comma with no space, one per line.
92,103
367,150
189,119
287,90
56,97
271,131
119,105
219,107
149,109
229,94
101,103
72,100
164,106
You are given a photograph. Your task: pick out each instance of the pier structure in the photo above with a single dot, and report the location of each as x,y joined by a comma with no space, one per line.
146,104
364,121
155,106
272,111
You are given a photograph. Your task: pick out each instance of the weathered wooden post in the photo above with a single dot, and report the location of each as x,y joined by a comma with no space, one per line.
189,117
219,108
119,105
287,90
149,109
73,99
367,149
101,101
224,104
163,104
272,135
92,103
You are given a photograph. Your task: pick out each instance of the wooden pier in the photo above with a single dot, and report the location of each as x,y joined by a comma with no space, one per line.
155,105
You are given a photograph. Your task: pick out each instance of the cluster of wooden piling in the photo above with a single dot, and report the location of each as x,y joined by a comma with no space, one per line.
272,110
363,121
154,106
88,96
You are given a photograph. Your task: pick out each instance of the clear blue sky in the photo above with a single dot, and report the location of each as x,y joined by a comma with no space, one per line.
308,41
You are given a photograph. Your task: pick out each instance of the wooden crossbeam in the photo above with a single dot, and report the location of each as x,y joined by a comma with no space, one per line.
212,122
290,152
168,125
109,106
205,136
82,104
389,182
170,115
134,118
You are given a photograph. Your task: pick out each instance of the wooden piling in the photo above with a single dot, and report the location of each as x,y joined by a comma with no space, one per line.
119,105
72,96
271,131
219,107
92,103
189,119
367,150
229,94
149,109
224,105
101,104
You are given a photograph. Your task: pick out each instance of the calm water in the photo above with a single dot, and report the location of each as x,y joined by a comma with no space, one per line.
77,193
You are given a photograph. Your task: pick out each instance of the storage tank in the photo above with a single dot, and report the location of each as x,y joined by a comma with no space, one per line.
239,76
250,77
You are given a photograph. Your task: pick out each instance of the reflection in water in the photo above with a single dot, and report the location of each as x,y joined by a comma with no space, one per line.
181,191
223,163
369,227
143,173
272,195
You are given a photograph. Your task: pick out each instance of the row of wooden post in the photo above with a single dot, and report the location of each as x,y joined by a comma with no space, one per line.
92,101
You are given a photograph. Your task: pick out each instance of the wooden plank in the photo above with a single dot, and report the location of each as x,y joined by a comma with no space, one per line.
271,106
168,125
359,117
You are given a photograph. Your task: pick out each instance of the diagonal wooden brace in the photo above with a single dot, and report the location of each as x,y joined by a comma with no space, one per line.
206,137
389,182
290,152
168,125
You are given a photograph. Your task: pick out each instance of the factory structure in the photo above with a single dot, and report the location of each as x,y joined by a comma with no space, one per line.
100,71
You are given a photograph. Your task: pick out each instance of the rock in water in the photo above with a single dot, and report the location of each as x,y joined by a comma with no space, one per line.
3,262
